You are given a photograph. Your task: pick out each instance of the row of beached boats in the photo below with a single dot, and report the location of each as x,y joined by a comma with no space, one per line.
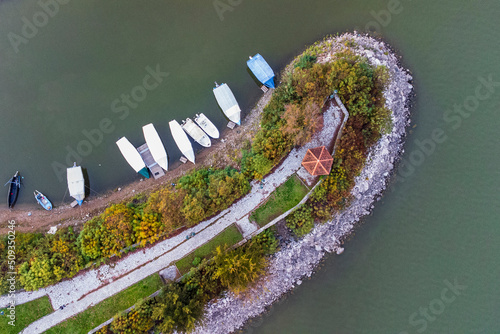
76,186
201,129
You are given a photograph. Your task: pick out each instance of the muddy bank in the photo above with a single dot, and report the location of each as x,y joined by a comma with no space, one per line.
298,259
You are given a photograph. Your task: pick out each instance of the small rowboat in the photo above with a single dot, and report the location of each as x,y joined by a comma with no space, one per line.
43,200
206,125
14,186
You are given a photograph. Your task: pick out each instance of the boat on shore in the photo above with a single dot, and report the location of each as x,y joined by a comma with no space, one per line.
14,186
206,125
43,200
155,145
196,132
182,140
261,69
76,183
227,102
132,156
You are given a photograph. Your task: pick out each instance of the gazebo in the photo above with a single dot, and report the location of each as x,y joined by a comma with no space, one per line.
318,161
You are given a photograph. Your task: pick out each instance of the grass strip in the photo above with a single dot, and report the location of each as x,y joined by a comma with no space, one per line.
25,314
96,315
285,197
229,236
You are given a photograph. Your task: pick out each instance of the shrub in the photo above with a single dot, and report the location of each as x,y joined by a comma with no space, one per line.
266,241
306,61
301,220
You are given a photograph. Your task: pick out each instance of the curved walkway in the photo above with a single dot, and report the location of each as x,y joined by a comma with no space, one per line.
94,286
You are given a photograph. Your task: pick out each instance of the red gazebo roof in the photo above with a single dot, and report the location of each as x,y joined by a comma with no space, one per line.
318,161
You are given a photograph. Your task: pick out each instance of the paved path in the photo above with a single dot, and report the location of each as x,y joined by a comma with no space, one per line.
94,286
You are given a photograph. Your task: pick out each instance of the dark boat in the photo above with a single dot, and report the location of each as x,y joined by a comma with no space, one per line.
14,186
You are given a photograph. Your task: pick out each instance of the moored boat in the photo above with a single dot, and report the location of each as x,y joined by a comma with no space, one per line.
155,145
226,100
196,132
43,200
14,186
261,69
182,140
76,183
206,125
132,156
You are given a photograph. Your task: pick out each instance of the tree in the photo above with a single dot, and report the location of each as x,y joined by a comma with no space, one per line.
238,268
168,203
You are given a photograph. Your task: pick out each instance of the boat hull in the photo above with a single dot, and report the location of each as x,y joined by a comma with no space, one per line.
14,186
207,126
76,183
43,200
155,145
227,102
195,132
133,157
182,140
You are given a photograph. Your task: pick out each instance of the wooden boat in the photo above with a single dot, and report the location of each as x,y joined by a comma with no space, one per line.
14,186
132,156
76,183
196,132
227,102
43,200
206,125
155,145
182,140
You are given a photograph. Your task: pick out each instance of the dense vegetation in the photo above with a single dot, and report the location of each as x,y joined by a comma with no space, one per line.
46,259
179,306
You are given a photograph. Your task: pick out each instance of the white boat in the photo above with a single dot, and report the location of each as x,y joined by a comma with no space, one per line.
132,156
226,100
182,140
76,183
207,125
155,145
196,132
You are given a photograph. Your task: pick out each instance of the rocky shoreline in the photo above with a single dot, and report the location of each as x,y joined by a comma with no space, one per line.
297,260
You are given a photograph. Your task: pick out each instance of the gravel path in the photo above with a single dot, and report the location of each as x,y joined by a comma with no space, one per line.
94,286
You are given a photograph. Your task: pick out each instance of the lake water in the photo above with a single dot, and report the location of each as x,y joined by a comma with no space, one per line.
426,260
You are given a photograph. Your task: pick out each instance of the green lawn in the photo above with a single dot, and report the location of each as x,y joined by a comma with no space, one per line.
94,316
25,314
229,236
281,200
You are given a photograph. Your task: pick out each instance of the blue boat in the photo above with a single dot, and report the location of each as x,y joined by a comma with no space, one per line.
261,69
43,200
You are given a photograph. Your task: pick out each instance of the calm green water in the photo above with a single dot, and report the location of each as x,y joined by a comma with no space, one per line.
440,225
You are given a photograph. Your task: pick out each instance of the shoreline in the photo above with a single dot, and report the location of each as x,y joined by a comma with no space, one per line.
41,220
298,259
